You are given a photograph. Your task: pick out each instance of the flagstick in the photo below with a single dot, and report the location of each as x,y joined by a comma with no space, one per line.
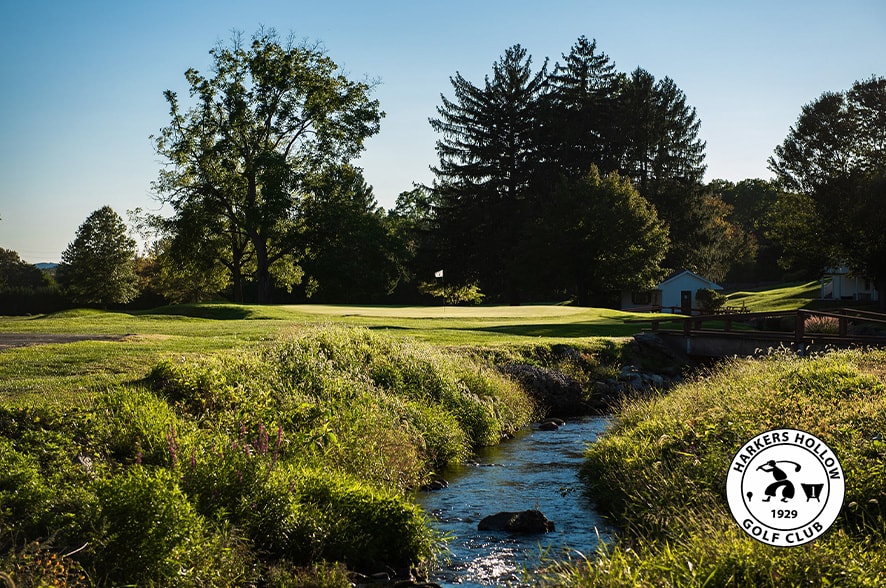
442,275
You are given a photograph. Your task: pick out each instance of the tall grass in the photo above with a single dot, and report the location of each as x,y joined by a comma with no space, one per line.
248,466
660,474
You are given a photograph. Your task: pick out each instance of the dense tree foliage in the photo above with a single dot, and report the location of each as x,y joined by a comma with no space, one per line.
350,255
98,267
834,158
488,155
574,180
658,133
25,289
755,211
180,278
603,235
580,119
508,147
16,273
271,115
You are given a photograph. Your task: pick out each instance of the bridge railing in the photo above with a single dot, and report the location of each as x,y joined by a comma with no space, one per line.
760,323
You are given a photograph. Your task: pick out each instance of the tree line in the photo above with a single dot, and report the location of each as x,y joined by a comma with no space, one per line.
570,180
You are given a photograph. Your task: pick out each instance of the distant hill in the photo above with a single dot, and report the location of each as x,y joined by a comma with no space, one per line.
46,267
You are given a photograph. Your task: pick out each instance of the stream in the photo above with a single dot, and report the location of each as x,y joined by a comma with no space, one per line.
536,469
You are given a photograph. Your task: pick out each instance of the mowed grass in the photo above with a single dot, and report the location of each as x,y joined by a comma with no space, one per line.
788,297
63,373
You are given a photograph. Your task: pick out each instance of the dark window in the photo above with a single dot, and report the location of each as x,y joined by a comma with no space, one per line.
641,298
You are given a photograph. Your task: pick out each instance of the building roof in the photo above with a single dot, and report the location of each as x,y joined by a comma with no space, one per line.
707,283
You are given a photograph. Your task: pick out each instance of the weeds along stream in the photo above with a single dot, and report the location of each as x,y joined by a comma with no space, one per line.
536,469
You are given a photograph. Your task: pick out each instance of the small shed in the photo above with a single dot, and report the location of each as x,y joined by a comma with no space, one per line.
675,294
840,283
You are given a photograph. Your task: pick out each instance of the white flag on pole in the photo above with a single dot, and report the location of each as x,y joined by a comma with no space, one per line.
438,274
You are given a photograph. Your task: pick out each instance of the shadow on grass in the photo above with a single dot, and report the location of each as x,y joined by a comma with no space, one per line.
566,331
220,312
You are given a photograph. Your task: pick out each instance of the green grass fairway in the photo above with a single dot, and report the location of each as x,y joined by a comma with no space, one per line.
790,297
63,371
69,371
480,325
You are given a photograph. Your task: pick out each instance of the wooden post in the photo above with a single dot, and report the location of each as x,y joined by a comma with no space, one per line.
844,323
799,328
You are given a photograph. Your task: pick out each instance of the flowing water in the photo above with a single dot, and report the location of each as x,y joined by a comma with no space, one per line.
535,469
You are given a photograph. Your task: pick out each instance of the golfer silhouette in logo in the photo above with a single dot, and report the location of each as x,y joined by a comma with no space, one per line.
781,480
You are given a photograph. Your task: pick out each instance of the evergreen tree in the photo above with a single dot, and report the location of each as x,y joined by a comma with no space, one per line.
506,146
98,267
658,148
488,155
580,111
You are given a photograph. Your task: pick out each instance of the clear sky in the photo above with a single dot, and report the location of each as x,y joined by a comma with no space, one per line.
83,80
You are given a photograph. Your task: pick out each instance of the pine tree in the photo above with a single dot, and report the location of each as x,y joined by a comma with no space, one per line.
579,114
660,148
488,154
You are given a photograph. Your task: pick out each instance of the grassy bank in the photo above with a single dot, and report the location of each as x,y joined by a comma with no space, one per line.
660,475
252,465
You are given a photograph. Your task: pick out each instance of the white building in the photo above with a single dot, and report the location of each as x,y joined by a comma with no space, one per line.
676,294
841,284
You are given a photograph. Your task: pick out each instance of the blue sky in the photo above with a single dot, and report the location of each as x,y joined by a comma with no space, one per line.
83,81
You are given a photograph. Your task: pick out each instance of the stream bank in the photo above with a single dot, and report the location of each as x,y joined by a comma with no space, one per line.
538,468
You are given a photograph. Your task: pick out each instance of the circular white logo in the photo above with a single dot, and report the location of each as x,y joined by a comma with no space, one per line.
785,487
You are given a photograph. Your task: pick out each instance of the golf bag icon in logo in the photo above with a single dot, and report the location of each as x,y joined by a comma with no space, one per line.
763,482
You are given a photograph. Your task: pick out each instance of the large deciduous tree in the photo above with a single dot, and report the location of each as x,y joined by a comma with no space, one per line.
98,267
488,154
351,254
270,115
603,235
835,158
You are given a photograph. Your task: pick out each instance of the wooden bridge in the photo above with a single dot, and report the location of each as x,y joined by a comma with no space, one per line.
752,333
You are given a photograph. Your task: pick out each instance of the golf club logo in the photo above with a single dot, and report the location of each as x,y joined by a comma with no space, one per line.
785,487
